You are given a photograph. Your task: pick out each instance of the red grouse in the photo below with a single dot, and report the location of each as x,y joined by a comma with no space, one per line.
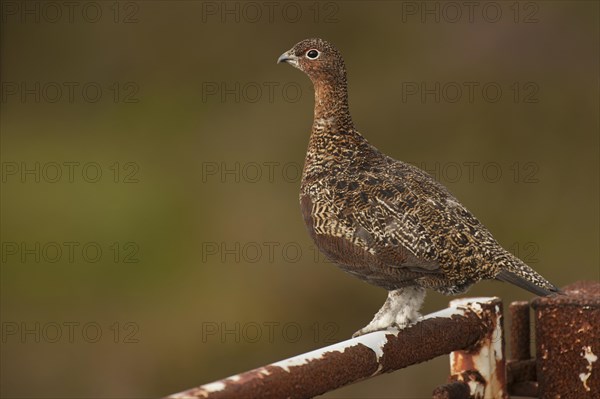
385,221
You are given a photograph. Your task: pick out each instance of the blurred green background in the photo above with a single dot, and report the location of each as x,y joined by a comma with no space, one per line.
205,268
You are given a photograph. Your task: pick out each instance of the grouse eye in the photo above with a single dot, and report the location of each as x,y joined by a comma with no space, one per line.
312,54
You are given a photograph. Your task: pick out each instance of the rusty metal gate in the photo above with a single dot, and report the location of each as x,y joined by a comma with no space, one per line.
470,330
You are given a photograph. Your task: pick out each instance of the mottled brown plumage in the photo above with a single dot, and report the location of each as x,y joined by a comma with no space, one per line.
385,221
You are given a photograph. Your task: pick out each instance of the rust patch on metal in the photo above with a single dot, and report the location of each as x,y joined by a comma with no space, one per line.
453,390
520,371
520,341
427,340
500,376
583,293
568,342
332,370
525,388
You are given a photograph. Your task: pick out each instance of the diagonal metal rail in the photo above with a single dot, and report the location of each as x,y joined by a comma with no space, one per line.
470,330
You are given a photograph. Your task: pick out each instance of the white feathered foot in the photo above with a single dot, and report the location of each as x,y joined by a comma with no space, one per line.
400,310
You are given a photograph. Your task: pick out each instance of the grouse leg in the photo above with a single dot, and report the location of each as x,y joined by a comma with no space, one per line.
401,309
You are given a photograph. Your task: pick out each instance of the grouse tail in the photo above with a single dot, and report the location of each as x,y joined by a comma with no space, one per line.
523,276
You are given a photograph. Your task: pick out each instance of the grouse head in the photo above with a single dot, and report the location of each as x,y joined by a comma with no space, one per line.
319,59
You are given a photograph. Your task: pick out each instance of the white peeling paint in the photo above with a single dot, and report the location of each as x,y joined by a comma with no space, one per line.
490,352
375,341
588,355
474,302
445,313
214,386
477,389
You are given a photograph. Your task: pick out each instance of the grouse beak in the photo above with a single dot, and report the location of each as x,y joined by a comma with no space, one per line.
289,58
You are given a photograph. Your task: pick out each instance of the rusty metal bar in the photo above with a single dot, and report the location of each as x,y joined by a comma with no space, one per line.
482,367
462,326
521,378
520,371
568,342
453,390
520,341
528,389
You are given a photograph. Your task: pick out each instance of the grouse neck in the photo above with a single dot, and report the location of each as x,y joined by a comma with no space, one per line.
331,106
